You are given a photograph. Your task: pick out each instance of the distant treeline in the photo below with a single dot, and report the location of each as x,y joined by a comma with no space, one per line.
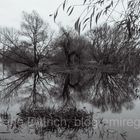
102,46
103,61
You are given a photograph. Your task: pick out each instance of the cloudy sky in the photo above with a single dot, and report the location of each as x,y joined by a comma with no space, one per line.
11,12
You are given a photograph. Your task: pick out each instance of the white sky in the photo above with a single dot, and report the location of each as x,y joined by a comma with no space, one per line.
11,12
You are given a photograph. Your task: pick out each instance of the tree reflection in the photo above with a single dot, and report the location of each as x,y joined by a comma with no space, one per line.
68,70
102,89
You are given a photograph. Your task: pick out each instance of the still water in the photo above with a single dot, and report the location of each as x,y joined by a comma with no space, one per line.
116,117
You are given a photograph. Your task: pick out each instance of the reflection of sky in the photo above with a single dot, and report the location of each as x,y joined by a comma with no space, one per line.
125,114
10,13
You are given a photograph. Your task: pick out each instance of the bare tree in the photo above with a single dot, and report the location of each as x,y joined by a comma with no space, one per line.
27,47
36,31
70,48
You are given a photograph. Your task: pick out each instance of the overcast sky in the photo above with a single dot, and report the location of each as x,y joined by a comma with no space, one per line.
11,11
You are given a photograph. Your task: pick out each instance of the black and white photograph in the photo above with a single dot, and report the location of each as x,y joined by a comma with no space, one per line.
69,70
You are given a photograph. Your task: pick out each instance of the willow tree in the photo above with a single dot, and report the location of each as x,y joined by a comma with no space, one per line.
92,10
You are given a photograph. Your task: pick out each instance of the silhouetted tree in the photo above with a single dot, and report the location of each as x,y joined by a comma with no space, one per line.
71,48
28,47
